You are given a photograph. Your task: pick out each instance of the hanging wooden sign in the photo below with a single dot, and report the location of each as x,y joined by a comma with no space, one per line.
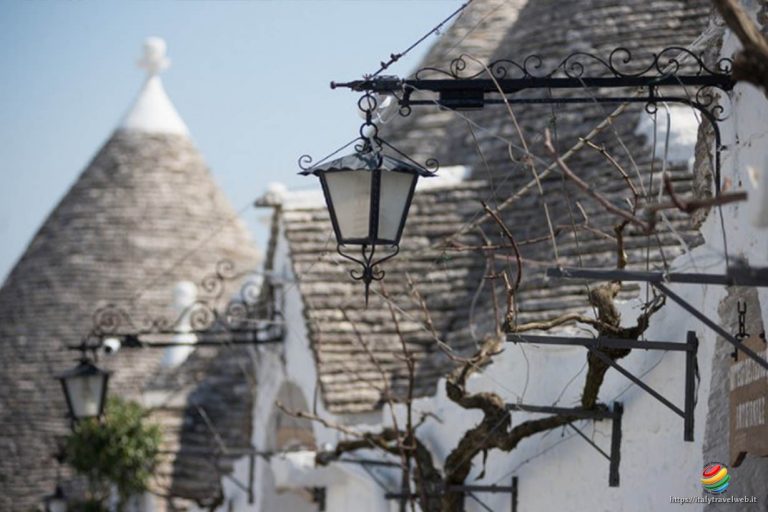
749,404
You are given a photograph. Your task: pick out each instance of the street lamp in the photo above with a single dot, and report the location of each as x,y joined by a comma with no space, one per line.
368,195
56,502
85,389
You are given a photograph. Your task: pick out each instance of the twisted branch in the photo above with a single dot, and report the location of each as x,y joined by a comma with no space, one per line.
751,63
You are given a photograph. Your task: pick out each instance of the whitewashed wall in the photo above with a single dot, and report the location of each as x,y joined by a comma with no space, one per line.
558,470
293,361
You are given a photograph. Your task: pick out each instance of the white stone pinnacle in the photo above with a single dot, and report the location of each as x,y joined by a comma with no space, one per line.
153,112
154,59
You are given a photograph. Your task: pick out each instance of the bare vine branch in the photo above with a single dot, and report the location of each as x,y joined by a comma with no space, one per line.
616,165
751,63
569,318
690,206
512,243
584,186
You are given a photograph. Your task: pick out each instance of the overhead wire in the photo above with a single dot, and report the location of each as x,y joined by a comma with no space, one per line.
482,20
568,384
662,214
569,200
530,161
176,263
649,195
445,346
143,288
397,56
678,61
635,166
617,135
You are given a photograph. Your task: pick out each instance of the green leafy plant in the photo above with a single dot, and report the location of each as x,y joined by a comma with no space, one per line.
119,451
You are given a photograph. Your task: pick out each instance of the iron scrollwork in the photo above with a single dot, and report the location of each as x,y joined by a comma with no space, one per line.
668,62
673,75
244,313
675,67
369,271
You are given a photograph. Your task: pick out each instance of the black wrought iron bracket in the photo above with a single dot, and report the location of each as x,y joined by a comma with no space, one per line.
597,345
242,320
468,490
369,462
674,75
598,413
738,275
264,335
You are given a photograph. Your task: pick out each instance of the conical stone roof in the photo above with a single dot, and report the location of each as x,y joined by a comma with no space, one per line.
143,215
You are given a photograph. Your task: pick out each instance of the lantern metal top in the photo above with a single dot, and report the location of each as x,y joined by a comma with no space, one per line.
85,369
367,161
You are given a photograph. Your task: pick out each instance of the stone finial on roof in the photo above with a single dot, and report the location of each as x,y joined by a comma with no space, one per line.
153,112
274,196
154,59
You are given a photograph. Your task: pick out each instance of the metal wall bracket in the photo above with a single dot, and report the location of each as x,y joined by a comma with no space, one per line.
740,275
594,345
599,413
468,490
370,462
270,334
211,319
319,497
673,75
737,275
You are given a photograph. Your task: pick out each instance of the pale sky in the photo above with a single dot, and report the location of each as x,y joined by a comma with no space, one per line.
249,78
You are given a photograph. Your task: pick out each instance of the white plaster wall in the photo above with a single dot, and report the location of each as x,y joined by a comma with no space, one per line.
293,361
558,470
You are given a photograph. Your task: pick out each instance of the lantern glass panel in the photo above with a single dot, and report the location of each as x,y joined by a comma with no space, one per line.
56,505
85,394
394,196
350,198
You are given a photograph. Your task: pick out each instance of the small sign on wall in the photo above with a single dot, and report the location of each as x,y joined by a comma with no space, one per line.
749,403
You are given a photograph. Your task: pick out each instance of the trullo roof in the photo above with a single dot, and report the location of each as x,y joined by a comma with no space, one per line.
144,215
